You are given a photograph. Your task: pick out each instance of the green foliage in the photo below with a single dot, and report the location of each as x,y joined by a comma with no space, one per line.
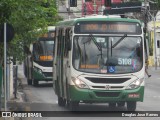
26,16
158,4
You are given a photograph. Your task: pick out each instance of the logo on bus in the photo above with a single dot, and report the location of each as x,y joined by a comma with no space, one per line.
107,87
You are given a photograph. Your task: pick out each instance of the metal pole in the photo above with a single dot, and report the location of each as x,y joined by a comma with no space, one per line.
94,6
5,69
84,7
145,22
69,9
7,79
155,44
81,7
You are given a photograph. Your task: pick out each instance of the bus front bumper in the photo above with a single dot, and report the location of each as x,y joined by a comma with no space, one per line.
77,94
42,76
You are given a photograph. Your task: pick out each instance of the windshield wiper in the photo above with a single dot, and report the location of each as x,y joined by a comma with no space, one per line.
95,42
122,38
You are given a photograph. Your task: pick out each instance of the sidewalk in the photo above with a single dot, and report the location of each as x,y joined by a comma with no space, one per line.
12,104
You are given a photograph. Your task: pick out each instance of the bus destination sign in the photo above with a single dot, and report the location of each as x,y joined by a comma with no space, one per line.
108,27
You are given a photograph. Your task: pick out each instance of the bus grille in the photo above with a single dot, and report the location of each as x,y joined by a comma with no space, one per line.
108,80
107,94
47,74
112,87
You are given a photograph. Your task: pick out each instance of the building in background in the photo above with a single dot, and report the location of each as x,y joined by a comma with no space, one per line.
90,7
152,42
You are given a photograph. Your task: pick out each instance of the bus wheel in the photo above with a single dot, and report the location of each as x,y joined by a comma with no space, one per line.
121,104
131,105
29,81
35,82
61,101
73,105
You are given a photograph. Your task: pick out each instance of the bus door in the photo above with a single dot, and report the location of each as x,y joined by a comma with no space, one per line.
66,64
59,60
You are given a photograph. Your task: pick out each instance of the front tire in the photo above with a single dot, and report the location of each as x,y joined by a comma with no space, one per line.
35,82
29,81
61,101
131,105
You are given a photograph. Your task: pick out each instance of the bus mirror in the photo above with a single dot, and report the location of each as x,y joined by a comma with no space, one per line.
26,50
31,48
69,40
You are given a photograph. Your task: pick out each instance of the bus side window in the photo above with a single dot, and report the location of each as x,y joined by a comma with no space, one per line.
59,42
67,42
54,46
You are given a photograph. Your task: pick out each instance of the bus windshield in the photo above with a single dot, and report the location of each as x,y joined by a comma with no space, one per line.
107,54
43,50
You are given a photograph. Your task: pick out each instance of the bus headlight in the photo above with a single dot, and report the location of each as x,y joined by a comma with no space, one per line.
38,70
135,84
79,83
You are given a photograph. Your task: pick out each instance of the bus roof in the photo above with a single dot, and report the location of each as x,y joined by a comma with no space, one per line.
51,28
117,18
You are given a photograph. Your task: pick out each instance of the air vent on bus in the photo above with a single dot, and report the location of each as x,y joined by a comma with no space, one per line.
47,74
108,80
112,87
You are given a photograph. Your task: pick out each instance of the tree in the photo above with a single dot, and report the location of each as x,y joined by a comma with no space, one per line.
158,4
26,16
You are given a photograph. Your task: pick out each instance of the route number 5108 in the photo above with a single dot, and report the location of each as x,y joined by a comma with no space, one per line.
124,61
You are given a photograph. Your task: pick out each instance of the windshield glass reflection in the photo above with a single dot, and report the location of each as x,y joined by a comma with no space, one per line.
107,54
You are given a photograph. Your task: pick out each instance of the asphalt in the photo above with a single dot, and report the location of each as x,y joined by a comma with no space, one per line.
154,72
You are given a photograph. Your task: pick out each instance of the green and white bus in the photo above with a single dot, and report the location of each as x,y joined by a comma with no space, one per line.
38,63
99,59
